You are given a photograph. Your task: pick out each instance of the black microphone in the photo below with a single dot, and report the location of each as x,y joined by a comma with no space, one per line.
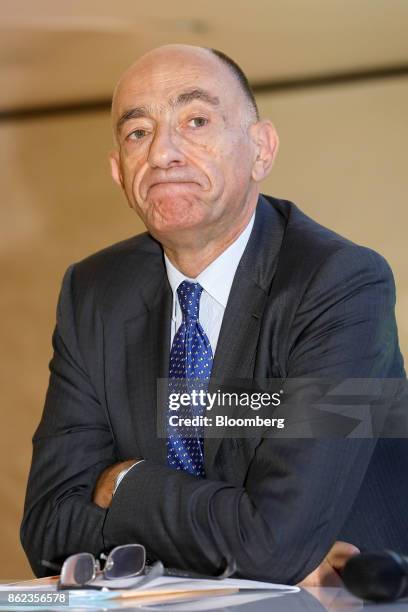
381,576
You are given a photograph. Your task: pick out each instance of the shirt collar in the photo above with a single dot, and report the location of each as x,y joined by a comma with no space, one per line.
216,279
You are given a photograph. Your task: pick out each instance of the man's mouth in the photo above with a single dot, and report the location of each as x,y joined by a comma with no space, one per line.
170,183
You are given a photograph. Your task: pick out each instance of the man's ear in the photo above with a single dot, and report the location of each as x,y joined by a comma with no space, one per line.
115,167
266,141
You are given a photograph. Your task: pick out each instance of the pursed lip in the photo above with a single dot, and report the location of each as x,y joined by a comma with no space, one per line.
172,182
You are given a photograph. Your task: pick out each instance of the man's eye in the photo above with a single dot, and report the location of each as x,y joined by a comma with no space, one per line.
137,134
198,122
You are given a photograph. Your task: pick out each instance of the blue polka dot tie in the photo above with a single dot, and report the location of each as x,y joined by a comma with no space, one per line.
191,357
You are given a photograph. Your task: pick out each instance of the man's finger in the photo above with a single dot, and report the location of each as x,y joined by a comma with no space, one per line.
340,553
323,575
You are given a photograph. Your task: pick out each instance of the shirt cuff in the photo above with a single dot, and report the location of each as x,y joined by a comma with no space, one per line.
122,474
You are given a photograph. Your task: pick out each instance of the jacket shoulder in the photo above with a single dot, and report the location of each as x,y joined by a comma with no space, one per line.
307,244
114,276
141,245
127,256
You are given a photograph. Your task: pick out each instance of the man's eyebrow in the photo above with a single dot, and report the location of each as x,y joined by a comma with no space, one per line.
131,113
195,94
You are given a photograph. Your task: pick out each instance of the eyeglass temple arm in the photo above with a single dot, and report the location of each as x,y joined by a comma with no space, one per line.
229,570
55,567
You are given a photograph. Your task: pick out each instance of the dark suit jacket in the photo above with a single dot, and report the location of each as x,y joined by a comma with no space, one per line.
305,302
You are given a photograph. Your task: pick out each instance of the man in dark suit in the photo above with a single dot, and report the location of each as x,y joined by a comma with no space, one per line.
281,297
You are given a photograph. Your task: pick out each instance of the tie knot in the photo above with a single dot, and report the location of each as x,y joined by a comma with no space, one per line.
189,299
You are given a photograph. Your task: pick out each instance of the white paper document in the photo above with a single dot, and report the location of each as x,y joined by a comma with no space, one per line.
164,583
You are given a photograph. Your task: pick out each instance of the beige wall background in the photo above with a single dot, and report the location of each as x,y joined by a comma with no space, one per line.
342,160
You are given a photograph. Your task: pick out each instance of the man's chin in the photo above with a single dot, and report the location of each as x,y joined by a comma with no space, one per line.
173,227
174,216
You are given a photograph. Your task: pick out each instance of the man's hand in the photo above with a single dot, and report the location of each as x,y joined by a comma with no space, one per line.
103,492
328,572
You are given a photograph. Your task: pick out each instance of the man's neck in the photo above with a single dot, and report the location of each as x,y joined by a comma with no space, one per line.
191,260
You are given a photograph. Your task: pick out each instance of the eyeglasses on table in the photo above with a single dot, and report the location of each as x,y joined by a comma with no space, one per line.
80,570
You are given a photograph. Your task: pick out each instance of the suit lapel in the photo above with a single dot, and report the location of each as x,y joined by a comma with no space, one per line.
147,338
238,340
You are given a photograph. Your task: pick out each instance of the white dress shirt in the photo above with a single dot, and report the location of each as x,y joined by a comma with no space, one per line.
216,281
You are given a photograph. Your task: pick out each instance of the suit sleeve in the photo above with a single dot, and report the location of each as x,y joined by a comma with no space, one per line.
71,446
297,493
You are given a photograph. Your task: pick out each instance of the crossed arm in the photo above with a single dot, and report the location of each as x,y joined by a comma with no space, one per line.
326,574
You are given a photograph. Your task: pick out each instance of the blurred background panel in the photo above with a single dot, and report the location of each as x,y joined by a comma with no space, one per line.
331,75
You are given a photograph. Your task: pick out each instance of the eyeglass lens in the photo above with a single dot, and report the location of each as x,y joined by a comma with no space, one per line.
78,569
125,561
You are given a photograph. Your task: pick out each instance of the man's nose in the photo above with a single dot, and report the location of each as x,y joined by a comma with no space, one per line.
164,150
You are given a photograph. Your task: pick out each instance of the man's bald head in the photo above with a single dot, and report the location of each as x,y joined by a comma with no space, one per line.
241,77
